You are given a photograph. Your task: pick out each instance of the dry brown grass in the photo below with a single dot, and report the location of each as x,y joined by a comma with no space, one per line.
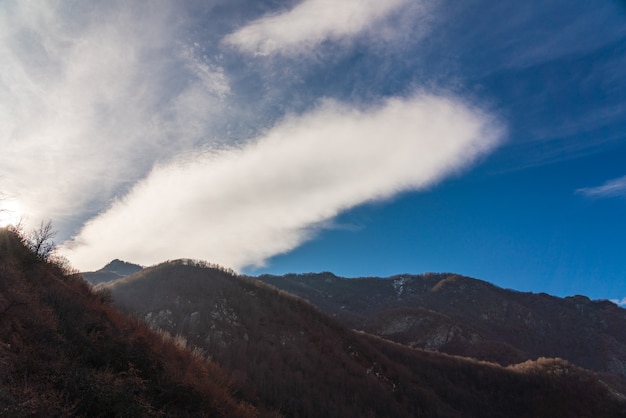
64,351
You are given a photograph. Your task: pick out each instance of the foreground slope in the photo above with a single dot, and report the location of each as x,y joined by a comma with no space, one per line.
64,351
288,356
469,317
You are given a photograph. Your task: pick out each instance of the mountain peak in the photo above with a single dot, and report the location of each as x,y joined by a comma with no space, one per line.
123,268
116,269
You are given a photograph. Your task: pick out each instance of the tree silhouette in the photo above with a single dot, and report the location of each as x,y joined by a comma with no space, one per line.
40,240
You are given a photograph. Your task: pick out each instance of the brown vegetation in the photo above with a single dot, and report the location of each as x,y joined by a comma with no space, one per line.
463,316
241,349
287,356
64,351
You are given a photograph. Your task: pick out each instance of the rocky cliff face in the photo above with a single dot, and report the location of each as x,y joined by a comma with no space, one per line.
469,317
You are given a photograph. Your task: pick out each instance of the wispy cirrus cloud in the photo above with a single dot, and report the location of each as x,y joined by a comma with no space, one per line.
310,23
612,188
240,207
106,99
91,95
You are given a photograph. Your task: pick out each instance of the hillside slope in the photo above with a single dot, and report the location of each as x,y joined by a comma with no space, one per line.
469,317
65,351
292,358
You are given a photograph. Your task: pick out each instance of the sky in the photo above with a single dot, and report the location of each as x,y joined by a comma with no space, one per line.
361,137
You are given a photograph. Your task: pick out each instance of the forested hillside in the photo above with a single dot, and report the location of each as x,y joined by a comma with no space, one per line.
292,358
464,316
241,348
65,351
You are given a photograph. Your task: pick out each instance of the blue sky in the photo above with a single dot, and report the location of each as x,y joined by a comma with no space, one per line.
365,138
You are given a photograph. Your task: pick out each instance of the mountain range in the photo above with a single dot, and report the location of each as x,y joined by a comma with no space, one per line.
186,338
472,318
306,359
459,315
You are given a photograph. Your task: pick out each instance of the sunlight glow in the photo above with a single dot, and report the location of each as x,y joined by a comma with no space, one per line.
10,212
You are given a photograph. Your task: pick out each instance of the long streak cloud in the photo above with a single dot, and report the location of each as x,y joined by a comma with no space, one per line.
612,188
146,136
240,207
310,23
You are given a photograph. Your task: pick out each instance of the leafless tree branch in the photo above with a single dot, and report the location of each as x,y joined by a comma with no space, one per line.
40,240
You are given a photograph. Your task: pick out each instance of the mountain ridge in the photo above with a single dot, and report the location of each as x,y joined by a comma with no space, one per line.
470,317
285,351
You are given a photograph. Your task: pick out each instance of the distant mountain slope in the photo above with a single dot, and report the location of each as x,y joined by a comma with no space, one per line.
64,351
292,358
116,269
469,317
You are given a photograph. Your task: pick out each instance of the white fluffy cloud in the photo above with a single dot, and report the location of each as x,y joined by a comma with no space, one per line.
309,24
612,188
91,94
106,99
239,207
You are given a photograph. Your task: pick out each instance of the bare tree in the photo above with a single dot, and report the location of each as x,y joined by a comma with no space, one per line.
40,240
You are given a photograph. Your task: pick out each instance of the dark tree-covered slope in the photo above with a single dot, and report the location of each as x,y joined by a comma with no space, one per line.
64,351
459,315
290,357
